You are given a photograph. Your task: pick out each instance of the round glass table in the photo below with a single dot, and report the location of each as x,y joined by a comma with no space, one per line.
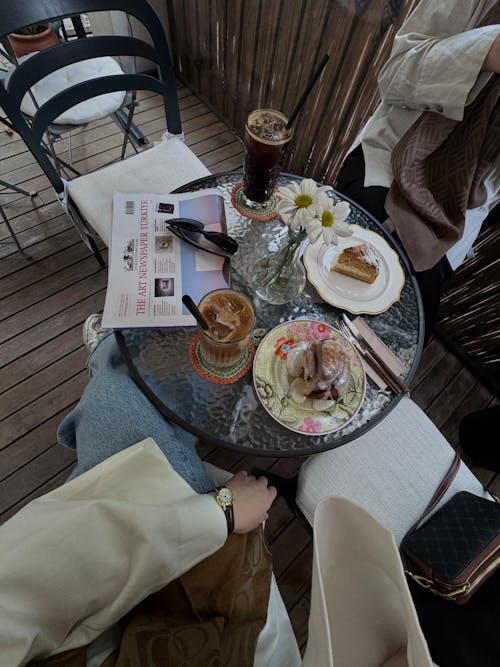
231,415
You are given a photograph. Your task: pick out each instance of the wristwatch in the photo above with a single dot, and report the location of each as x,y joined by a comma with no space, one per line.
224,498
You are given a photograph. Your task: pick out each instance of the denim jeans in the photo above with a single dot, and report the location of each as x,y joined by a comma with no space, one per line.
114,414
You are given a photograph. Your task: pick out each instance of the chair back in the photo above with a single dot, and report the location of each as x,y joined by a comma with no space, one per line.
14,16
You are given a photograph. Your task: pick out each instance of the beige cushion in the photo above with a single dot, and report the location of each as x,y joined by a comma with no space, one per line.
157,170
62,79
392,471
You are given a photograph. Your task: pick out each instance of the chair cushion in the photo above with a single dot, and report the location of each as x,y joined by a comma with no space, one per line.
62,79
392,471
157,170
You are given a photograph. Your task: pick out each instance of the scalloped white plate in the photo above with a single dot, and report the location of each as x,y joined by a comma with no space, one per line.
349,293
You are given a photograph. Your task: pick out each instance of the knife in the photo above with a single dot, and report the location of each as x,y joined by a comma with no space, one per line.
388,370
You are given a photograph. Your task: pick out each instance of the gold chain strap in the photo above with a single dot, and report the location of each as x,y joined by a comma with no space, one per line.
430,586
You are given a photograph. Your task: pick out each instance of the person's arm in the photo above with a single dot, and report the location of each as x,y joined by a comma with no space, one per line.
75,561
437,61
492,60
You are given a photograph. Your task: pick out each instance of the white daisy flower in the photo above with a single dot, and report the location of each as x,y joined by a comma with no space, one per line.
329,220
299,201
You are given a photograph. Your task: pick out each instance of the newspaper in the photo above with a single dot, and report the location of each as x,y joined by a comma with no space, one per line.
150,268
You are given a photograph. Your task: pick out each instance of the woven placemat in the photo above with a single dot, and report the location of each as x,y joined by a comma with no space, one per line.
221,375
238,201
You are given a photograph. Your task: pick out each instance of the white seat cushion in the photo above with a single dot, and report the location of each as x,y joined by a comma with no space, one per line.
392,471
156,170
62,79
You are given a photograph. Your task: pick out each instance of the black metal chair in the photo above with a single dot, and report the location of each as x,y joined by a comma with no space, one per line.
88,198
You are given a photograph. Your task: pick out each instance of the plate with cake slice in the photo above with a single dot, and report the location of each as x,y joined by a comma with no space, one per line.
362,275
309,377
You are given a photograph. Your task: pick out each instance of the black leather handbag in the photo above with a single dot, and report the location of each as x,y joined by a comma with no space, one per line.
458,548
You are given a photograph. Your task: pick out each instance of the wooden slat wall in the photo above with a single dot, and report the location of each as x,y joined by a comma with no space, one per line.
240,55
470,310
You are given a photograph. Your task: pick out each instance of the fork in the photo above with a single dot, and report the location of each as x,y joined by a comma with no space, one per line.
370,359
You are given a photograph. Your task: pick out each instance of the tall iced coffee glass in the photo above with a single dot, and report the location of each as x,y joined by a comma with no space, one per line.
266,138
230,318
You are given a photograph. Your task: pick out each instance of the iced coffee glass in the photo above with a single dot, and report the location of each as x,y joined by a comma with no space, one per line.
266,138
230,318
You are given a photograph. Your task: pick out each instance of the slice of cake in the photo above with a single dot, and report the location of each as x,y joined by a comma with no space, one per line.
358,261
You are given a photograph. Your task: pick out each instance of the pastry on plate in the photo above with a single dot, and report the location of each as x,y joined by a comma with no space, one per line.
319,371
358,261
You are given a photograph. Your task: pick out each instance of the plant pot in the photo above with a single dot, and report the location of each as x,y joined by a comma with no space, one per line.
23,44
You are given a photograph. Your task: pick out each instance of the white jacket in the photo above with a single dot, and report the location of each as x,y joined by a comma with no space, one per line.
76,560
435,64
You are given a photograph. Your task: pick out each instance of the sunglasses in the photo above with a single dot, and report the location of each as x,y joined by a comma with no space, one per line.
192,231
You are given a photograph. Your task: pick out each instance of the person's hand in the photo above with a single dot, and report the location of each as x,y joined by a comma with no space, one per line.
492,60
252,499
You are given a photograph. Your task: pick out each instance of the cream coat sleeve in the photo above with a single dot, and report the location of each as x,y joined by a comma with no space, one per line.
58,591
437,57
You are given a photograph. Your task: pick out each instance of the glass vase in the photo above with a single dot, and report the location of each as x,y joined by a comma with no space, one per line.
280,276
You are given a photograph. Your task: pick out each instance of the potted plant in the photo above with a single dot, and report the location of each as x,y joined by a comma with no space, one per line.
35,37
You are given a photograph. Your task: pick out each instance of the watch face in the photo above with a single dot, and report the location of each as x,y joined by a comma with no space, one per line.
226,495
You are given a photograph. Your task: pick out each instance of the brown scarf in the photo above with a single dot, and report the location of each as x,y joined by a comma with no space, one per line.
210,617
439,166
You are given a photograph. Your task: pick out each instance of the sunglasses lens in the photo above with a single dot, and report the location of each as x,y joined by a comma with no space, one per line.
199,241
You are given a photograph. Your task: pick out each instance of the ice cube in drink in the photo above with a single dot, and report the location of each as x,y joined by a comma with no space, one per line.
230,318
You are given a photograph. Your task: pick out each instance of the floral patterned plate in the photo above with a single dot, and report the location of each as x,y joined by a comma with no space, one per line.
272,384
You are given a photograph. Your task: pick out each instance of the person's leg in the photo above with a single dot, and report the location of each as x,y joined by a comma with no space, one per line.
114,414
350,182
431,283
478,435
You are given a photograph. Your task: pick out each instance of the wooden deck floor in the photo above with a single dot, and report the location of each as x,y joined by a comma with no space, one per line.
45,298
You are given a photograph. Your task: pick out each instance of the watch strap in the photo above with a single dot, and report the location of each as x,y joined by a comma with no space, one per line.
229,512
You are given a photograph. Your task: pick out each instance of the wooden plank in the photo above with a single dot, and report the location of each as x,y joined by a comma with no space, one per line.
432,354
299,618
287,546
54,304
49,485
41,469
476,398
214,158
66,279
40,357
31,445
234,163
54,401
50,328
426,392
451,397
39,384
37,252
38,234
295,581
34,272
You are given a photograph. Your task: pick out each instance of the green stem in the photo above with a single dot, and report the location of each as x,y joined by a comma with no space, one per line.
288,252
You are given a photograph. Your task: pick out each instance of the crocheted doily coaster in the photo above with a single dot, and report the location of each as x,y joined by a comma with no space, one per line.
238,201
221,375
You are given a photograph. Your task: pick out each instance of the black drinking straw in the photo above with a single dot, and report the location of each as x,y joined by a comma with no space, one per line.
193,309
306,92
